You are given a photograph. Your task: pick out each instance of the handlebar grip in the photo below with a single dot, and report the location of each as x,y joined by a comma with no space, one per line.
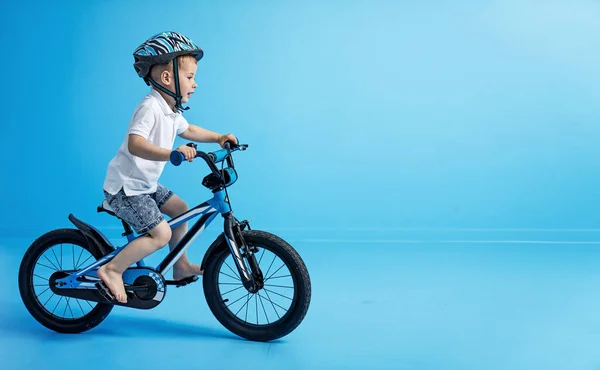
176,158
230,144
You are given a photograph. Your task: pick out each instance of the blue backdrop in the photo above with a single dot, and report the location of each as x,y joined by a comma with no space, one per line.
434,162
378,115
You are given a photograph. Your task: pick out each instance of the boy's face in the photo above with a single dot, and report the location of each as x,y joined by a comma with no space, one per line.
187,74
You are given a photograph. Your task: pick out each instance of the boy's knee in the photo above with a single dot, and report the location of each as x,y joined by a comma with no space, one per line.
184,207
161,234
174,207
181,208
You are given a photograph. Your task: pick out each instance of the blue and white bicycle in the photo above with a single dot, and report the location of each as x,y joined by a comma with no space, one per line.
255,283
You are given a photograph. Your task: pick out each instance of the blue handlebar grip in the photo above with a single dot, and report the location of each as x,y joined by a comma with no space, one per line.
220,155
176,158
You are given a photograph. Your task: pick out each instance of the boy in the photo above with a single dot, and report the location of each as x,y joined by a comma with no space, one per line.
168,61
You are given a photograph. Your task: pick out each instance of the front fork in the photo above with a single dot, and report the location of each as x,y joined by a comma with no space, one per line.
250,274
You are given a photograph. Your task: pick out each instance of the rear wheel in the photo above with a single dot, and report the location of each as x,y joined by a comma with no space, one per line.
59,250
272,312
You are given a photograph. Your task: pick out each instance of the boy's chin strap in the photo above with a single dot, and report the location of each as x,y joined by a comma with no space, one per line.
177,95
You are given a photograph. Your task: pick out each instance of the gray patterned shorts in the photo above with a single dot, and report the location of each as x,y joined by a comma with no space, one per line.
141,212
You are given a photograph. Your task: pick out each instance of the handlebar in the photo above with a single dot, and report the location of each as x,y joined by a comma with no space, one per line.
210,158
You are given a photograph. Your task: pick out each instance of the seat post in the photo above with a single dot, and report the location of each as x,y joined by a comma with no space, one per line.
128,232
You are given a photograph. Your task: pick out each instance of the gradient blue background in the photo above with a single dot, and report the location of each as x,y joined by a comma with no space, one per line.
446,150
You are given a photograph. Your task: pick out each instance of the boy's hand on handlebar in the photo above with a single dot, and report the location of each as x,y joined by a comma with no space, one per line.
227,137
188,152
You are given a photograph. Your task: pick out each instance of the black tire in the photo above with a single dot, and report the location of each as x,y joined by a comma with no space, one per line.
301,296
53,238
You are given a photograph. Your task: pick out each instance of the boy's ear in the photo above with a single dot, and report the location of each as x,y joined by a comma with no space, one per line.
165,77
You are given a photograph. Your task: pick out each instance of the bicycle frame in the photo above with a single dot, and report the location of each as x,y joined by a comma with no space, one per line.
207,212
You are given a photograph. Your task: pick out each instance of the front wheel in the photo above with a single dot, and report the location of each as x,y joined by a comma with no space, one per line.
273,311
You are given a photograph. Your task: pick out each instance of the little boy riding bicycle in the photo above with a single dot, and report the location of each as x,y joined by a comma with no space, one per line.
168,62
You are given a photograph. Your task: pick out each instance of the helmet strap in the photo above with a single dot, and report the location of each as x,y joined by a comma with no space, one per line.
177,89
177,95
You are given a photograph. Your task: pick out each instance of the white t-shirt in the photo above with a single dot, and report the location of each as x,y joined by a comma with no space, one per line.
157,123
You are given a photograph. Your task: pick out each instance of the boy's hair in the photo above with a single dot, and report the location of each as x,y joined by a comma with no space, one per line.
157,69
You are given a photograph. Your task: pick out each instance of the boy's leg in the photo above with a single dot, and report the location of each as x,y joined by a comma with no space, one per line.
111,273
142,213
182,268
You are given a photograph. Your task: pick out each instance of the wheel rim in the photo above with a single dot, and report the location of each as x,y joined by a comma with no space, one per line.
64,256
269,305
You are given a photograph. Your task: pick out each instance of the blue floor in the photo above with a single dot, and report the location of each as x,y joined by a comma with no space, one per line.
378,304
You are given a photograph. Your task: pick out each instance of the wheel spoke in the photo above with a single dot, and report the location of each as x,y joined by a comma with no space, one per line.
229,305
274,256
48,267
81,308
68,305
280,286
230,268
82,263
269,299
275,272
57,303
278,277
233,277
59,264
263,306
278,294
78,258
41,277
52,263
247,299
233,290
274,304
247,305
45,290
49,299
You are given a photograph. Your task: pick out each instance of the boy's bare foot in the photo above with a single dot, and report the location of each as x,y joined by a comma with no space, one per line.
180,272
114,281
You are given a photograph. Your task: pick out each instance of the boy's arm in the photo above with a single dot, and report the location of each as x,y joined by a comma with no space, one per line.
202,135
140,147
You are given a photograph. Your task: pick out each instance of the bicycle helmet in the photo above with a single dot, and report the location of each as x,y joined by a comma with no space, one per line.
161,49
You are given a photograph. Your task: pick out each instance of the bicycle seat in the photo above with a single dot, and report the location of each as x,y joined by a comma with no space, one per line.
105,207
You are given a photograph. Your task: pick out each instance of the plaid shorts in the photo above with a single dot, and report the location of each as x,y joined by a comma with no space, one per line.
141,212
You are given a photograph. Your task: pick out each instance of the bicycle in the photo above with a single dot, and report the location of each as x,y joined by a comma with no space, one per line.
146,286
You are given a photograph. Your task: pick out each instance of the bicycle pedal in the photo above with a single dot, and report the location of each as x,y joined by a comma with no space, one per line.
182,282
105,292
